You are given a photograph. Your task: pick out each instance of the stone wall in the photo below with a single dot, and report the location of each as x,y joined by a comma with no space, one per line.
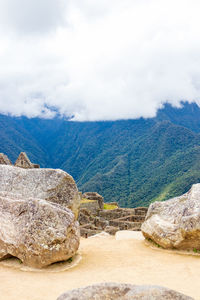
92,206
110,221
4,160
21,162
94,196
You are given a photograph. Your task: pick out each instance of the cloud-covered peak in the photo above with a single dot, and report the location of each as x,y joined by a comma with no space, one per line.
97,60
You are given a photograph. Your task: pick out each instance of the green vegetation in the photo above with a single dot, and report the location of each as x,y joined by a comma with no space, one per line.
196,250
84,200
69,260
132,162
154,243
109,206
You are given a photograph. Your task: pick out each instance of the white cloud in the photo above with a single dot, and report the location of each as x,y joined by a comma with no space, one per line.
98,59
32,16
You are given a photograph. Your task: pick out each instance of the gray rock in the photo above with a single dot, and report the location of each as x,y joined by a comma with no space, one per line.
116,291
36,231
175,223
52,185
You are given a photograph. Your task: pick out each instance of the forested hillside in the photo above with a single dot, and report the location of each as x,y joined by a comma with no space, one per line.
133,162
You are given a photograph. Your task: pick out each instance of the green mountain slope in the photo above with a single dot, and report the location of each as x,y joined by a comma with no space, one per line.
164,155
133,162
14,138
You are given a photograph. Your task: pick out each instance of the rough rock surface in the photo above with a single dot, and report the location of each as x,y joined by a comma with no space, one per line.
175,223
115,291
52,185
36,231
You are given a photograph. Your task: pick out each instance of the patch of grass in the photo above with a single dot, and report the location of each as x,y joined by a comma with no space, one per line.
84,200
163,195
109,206
196,250
70,260
154,243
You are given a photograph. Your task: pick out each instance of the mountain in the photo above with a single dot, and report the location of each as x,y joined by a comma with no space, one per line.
132,162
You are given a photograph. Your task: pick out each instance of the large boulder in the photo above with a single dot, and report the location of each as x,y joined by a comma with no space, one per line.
36,231
175,223
49,184
117,291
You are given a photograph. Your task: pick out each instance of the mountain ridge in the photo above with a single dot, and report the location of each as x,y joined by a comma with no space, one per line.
132,162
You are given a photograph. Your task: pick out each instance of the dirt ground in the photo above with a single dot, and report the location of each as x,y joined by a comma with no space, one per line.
106,260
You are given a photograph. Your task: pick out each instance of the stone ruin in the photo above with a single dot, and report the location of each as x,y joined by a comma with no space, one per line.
22,161
94,196
4,160
93,218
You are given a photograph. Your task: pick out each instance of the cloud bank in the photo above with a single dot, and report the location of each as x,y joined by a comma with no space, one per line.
98,59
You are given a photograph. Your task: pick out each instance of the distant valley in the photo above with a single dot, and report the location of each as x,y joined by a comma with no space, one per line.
132,162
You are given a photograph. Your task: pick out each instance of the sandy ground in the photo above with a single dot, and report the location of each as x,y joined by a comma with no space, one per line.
106,259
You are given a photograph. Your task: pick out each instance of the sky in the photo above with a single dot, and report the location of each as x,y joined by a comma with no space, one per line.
98,59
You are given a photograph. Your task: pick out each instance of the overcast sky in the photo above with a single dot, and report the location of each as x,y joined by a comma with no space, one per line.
98,59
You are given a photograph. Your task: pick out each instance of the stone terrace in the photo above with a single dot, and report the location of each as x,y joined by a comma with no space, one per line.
94,219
